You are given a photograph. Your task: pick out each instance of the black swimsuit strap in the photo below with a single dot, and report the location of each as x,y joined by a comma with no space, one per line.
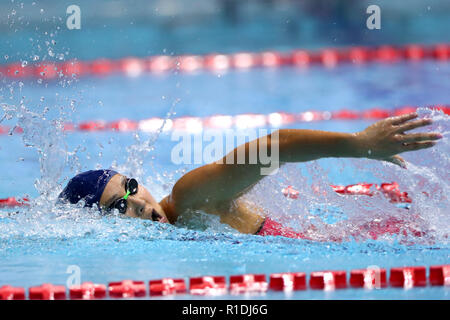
261,226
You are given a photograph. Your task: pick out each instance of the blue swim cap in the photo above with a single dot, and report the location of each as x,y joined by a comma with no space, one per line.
88,185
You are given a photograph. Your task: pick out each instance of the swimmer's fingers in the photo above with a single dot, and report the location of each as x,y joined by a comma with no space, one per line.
397,160
403,118
418,137
412,125
417,145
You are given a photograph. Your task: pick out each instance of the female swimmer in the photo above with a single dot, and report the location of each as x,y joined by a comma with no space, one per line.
215,188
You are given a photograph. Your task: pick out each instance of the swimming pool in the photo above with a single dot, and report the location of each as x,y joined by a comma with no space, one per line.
39,243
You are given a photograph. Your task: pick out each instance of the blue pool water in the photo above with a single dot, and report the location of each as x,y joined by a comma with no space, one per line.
38,244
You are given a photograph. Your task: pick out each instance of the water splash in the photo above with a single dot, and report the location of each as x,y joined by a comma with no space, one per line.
137,153
323,214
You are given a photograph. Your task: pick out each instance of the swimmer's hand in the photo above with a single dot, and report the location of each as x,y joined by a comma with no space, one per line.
385,139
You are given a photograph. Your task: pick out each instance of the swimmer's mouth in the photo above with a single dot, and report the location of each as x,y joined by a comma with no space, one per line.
157,217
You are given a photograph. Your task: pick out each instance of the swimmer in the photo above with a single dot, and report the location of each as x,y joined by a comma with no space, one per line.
215,188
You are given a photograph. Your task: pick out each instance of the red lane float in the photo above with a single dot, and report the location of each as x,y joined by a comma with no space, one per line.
371,278
74,69
248,283
288,281
408,277
159,64
102,67
209,285
375,114
190,63
127,289
166,286
217,62
240,121
440,275
132,66
13,202
123,125
358,55
47,70
441,52
368,278
328,280
92,126
390,190
12,293
47,291
87,291
290,192
415,52
68,126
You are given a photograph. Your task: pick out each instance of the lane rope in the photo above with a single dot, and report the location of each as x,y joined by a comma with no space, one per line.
370,278
240,121
389,190
133,66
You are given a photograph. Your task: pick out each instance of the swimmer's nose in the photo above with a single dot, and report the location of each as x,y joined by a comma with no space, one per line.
156,216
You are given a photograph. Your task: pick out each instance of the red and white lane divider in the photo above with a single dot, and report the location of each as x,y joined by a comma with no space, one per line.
370,278
11,202
132,66
390,190
240,121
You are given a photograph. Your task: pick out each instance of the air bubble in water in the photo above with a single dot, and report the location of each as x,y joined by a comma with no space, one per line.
24,63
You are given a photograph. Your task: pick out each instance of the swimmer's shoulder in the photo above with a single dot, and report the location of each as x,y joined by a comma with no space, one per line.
174,207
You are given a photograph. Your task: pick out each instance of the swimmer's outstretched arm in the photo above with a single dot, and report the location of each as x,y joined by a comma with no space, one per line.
217,184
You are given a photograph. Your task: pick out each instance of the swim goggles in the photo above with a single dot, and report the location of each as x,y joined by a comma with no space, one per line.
131,187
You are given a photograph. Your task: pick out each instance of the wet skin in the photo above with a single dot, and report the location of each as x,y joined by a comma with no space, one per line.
216,187
241,216
140,205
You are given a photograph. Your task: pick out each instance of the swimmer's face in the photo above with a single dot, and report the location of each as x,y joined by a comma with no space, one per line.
139,205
